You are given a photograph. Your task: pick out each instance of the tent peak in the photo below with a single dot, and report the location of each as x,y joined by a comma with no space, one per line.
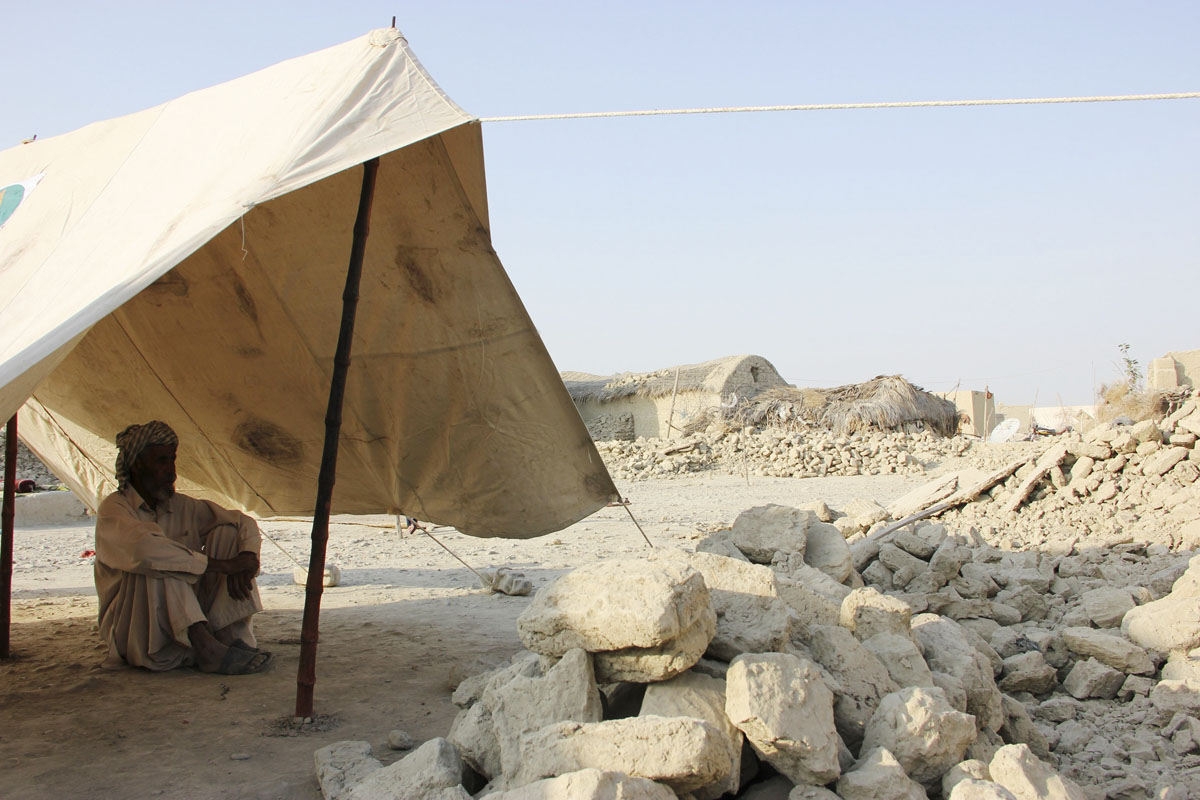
383,37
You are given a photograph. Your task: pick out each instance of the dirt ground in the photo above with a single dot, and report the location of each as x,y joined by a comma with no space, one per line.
399,633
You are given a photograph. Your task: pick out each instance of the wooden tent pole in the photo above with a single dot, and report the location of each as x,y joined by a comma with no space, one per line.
6,533
306,675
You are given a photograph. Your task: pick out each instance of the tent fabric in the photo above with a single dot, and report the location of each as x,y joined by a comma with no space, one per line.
186,263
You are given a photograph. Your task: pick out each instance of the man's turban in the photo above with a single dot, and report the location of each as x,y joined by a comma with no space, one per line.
136,438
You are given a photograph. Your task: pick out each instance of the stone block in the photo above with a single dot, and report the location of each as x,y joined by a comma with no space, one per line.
1107,605
1091,678
1115,651
903,661
1028,672
948,649
878,776
827,551
920,728
1177,696
588,784
567,692
431,772
1017,769
763,531
745,597
615,604
867,612
681,752
862,679
786,711
702,697
343,765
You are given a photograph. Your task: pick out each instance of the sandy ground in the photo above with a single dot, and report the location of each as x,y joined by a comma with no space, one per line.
403,628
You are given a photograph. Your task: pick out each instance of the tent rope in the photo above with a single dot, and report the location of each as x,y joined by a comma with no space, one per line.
266,536
623,503
1021,101
413,527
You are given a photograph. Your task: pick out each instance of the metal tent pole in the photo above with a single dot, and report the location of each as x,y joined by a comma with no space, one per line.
6,533
306,675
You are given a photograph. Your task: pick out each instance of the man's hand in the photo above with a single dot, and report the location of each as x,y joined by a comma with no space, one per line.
240,571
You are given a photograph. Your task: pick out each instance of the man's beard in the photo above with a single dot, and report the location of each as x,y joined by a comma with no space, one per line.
162,494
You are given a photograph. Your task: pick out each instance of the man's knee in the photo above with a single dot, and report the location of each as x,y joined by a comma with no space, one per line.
223,541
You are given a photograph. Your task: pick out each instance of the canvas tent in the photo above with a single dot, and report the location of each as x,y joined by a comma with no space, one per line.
186,262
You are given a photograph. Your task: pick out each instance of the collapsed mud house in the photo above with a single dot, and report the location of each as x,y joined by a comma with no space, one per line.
648,404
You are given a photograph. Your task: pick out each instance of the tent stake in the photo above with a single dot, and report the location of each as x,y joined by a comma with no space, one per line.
6,533
306,675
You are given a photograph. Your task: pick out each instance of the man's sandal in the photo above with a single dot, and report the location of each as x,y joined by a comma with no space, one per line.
244,662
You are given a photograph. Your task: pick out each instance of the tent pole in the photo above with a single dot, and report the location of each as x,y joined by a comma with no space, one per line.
6,533
306,676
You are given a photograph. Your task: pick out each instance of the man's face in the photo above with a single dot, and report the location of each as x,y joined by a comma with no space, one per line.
153,472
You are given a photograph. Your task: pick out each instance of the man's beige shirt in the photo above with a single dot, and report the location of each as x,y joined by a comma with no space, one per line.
165,542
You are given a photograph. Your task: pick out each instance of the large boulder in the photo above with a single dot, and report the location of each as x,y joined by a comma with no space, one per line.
343,765
903,660
878,776
920,728
948,649
473,731
1161,462
1175,696
1019,728
1172,623
650,614
1017,769
665,661
431,772
1028,672
971,769
588,784
763,531
613,604
681,752
904,566
1107,605
780,702
862,679
1115,651
750,616
1091,678
827,551
972,789
703,697
811,606
867,612
567,692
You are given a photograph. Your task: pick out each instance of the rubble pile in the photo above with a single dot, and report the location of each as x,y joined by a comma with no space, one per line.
29,466
779,452
779,660
1115,482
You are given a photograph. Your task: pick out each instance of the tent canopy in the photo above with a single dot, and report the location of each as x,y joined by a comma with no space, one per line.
186,263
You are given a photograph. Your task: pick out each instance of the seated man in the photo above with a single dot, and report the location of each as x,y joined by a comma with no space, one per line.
175,575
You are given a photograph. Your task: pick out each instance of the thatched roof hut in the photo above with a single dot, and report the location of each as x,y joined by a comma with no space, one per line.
886,403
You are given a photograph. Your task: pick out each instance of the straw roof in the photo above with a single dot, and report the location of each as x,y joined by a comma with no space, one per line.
886,402
745,375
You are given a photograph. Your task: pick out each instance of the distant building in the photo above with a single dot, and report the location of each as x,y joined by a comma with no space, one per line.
1176,369
630,405
976,411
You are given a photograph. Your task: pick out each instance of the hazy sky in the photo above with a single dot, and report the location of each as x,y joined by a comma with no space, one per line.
1014,246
